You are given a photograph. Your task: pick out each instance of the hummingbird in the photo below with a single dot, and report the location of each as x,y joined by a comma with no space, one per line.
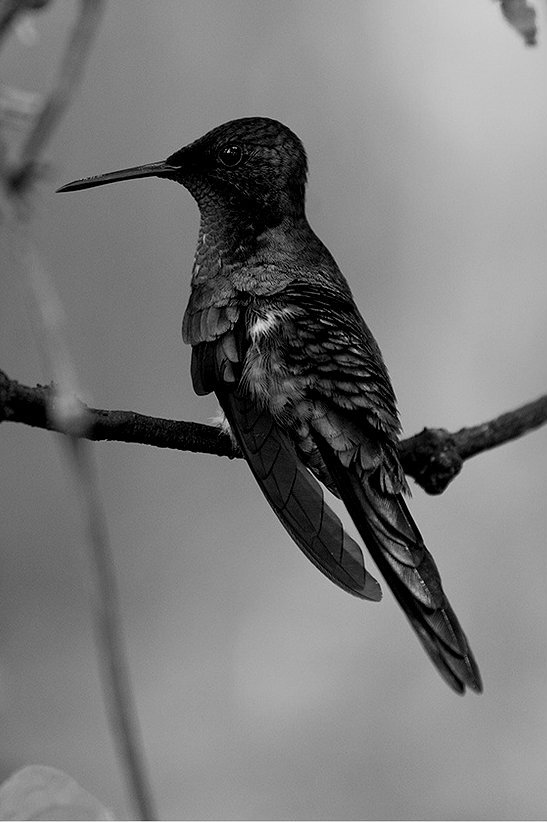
277,336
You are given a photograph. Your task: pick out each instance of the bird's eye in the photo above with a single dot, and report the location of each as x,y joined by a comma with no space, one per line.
230,155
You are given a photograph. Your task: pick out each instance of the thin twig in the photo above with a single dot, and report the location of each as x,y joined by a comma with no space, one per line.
63,411
433,457
10,11
119,700
70,74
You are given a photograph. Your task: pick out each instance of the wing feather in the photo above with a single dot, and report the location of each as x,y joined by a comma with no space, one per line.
296,497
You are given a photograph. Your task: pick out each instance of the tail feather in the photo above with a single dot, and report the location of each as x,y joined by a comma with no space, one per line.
396,545
296,497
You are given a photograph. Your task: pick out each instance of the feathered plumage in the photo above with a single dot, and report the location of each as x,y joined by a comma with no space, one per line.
277,336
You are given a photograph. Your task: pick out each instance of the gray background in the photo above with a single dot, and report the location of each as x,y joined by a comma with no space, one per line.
264,691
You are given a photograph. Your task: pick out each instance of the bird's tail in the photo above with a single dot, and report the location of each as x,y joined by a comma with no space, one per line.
396,545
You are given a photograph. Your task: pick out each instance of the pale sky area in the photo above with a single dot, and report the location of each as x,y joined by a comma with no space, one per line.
264,691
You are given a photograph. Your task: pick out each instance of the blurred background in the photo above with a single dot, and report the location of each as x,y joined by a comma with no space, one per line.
264,691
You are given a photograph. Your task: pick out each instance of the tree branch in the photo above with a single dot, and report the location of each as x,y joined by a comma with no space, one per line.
432,457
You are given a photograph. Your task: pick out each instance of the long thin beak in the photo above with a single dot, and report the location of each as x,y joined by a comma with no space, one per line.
162,169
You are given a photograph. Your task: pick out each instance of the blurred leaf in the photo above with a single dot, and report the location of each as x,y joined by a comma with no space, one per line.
522,17
40,792
18,108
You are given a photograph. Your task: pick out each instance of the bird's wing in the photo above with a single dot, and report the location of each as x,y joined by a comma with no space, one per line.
296,497
211,317
294,494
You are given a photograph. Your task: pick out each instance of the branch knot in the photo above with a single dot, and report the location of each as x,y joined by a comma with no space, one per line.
432,458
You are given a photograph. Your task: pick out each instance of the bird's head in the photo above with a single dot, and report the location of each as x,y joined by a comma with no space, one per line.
254,165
